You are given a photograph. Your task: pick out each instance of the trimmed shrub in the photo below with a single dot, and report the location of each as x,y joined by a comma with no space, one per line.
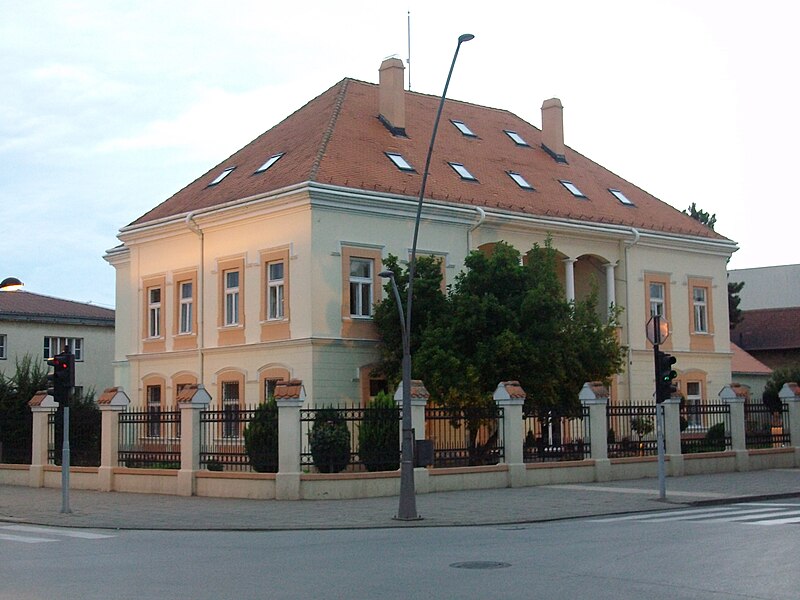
329,440
715,438
261,438
379,436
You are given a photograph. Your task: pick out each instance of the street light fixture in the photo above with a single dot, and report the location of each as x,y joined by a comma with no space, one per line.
407,510
10,284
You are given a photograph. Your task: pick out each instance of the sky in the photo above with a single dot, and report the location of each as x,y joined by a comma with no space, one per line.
109,107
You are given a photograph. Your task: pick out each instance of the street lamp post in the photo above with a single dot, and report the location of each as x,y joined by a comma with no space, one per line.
407,510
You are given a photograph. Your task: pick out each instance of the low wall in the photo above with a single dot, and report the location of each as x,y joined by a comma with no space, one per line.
318,486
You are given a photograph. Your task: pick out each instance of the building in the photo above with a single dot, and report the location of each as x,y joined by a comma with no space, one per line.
41,326
749,371
266,267
768,287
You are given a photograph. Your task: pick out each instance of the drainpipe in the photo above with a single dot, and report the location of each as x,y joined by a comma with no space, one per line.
481,219
628,246
190,223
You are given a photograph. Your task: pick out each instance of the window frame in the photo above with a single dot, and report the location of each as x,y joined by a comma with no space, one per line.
619,195
700,309
185,308
269,163
154,312
463,128
462,171
231,311
3,346
399,161
362,285
231,405
516,138
276,285
219,178
520,180
154,406
656,301
74,344
572,188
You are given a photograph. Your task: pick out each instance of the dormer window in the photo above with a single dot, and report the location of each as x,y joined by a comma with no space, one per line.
516,137
463,172
270,161
621,197
463,128
222,176
520,180
572,188
400,162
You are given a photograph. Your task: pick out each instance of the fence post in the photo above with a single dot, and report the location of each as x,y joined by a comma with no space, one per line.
111,402
735,399
41,406
790,395
289,396
510,396
672,435
595,396
191,400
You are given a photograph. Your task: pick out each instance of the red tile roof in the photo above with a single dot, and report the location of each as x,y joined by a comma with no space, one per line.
768,329
742,362
26,306
338,139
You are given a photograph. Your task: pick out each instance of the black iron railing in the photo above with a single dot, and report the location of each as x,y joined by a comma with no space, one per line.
150,439
465,437
550,436
631,431
222,441
766,427
705,428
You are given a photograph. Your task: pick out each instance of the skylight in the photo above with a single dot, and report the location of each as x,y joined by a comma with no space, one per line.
222,176
516,137
270,161
521,181
400,162
621,197
572,188
463,128
462,171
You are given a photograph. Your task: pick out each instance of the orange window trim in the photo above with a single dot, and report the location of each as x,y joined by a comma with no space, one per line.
359,327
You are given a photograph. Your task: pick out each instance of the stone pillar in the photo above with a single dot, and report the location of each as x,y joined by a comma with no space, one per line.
511,397
672,435
289,396
595,396
419,402
111,402
611,291
191,400
790,394
735,400
569,270
41,406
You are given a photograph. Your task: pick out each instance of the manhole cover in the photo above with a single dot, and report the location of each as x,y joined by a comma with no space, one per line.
481,564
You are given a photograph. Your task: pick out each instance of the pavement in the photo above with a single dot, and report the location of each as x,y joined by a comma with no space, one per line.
506,506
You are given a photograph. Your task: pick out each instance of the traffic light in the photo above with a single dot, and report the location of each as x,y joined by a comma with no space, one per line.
62,379
664,376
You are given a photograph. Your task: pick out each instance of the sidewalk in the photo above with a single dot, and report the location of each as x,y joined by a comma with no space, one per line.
114,510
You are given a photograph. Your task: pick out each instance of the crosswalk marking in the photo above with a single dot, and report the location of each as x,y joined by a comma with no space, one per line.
45,534
750,513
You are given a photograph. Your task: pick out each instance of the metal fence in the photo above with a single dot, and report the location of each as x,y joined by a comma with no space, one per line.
631,430
150,439
550,436
222,446
84,436
705,428
465,437
335,439
15,438
765,427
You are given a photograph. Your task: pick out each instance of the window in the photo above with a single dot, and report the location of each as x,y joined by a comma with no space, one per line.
572,188
231,298
520,180
222,176
56,345
186,307
269,388
3,352
154,312
516,137
230,409
400,162
657,297
154,411
462,127
275,291
700,310
462,171
270,161
360,287
621,197
693,401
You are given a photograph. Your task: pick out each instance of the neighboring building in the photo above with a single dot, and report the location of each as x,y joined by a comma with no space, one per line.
768,287
749,371
40,326
266,267
772,335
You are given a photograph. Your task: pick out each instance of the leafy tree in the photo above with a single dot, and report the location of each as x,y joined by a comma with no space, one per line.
775,383
85,425
16,391
261,438
379,435
702,216
329,440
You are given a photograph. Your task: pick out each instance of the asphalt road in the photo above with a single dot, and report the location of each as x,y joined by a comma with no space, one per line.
741,551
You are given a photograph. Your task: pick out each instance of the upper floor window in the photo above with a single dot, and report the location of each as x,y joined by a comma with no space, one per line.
573,189
56,345
154,312
399,161
518,139
3,349
221,176
621,197
186,307
700,310
231,297
520,180
269,162
275,290
657,298
463,172
463,128
360,287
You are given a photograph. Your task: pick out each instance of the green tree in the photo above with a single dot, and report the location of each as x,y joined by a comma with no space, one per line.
261,438
775,383
379,435
702,216
29,377
85,425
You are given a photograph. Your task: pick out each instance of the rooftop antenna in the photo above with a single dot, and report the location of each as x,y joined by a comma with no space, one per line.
408,60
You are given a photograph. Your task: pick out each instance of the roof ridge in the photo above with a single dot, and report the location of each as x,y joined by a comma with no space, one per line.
326,137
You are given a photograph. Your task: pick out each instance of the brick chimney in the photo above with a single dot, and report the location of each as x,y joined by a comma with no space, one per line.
553,129
391,96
